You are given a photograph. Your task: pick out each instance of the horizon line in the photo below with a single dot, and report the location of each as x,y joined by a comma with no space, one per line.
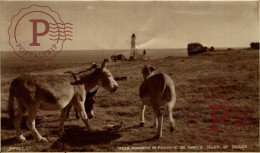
139,49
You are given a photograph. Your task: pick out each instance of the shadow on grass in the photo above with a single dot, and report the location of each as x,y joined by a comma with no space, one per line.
76,136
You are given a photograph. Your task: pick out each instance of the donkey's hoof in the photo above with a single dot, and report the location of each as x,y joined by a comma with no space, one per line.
42,139
172,129
141,124
21,138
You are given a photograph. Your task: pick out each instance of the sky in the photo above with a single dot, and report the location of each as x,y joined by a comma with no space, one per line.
109,25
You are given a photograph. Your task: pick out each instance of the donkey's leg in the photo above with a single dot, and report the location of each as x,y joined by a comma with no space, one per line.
160,120
155,124
64,112
159,116
79,106
32,111
17,123
172,122
142,115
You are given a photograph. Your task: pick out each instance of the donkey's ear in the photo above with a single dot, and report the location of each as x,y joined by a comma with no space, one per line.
103,64
152,68
144,69
94,65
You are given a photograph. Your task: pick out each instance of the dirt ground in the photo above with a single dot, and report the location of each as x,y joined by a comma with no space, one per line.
217,108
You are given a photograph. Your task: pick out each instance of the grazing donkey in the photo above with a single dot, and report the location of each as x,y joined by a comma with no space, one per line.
54,92
157,90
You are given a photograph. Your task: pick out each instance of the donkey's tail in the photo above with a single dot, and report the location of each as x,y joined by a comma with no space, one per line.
11,103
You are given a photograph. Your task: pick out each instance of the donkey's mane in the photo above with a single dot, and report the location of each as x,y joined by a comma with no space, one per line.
82,75
86,73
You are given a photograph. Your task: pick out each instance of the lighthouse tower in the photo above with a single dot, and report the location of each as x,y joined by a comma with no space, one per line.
133,52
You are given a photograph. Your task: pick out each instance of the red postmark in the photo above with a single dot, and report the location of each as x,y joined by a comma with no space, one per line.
37,33
218,117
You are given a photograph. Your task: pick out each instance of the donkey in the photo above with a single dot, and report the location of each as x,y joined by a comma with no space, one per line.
54,92
157,90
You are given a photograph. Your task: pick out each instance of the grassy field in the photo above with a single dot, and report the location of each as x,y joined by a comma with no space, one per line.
229,78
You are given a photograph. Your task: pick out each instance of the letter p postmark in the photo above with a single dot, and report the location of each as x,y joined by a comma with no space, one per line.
218,117
37,33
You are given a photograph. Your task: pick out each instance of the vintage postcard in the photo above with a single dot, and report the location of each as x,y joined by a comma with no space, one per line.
129,76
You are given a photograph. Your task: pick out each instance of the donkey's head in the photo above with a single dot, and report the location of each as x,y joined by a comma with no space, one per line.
100,76
105,78
89,102
147,71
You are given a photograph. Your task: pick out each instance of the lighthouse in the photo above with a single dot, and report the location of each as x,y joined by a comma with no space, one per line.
133,52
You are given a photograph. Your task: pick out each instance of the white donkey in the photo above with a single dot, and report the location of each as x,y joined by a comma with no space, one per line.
54,92
157,90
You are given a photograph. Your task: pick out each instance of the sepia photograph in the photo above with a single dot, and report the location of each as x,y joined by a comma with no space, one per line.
129,76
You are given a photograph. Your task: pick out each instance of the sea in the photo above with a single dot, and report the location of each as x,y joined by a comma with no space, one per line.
89,56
